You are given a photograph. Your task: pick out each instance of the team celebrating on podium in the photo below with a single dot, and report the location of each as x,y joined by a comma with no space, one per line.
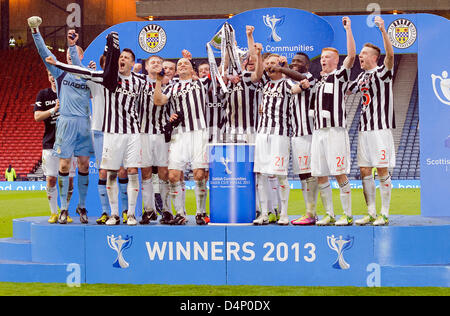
161,120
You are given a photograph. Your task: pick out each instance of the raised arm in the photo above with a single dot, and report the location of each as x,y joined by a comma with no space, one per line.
249,29
351,47
259,69
389,59
294,75
43,51
72,38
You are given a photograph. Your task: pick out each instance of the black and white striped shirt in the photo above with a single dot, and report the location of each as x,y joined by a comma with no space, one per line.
121,114
329,103
377,102
301,104
215,111
276,98
189,98
122,105
242,106
152,118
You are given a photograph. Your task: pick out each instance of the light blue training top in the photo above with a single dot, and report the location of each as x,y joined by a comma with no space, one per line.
73,93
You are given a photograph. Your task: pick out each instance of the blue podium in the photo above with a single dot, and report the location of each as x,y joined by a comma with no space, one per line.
231,183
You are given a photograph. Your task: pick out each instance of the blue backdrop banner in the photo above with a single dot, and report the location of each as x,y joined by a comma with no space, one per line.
434,113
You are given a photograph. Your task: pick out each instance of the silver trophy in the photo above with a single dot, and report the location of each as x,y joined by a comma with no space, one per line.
119,245
340,245
272,22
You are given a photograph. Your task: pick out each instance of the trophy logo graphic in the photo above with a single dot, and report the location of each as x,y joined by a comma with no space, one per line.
273,22
119,244
444,84
225,162
340,245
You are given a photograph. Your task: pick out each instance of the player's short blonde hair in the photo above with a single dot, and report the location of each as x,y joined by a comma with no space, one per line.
330,49
274,55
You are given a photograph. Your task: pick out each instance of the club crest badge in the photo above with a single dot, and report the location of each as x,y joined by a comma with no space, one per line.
152,38
402,33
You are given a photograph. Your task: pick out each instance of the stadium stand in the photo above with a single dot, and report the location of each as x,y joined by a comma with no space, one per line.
22,75
408,162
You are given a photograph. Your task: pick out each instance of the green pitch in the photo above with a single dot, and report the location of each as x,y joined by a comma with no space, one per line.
25,204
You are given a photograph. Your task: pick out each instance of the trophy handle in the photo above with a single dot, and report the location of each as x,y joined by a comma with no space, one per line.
265,19
128,243
332,245
110,243
434,77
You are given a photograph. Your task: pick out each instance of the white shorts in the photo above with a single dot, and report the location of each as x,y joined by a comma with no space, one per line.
330,152
376,149
121,149
301,154
50,164
189,147
271,154
241,138
155,151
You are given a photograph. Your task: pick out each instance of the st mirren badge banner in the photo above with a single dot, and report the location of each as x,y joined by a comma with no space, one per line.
402,33
152,38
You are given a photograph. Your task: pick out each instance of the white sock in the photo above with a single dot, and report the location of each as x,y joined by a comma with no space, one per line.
274,190
200,195
52,195
369,191
147,194
204,199
132,192
346,197
262,190
176,196
258,207
112,189
183,196
268,194
164,191
310,195
284,194
155,181
385,192
326,196
304,189
278,194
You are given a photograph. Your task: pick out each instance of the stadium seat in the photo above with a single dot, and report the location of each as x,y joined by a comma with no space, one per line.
18,130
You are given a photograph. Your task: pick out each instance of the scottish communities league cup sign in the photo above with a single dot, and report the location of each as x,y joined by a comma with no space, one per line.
284,31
